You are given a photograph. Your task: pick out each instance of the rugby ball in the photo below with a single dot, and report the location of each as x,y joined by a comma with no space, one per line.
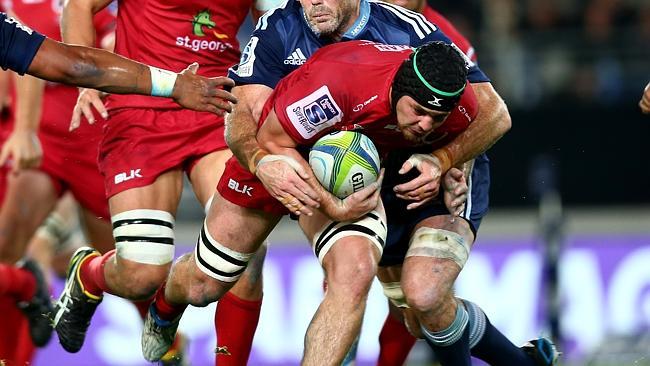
344,162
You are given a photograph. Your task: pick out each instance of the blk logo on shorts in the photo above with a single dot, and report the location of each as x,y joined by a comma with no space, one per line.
234,185
123,177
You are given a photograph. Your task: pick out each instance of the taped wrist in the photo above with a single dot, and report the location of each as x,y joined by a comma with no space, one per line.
445,158
162,82
287,159
253,162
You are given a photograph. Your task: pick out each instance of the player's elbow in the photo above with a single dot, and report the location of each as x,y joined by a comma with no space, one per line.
82,69
503,119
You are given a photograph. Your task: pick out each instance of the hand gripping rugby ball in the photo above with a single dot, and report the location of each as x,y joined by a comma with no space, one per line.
344,162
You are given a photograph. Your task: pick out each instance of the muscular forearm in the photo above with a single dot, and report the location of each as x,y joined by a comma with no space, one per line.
242,124
492,122
91,68
241,131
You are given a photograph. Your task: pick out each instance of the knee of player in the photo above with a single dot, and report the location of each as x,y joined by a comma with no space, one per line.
422,296
354,269
142,281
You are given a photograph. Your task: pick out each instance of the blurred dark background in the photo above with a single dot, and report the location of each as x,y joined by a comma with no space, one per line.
572,73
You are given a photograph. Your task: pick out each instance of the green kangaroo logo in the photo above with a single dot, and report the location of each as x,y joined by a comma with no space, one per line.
202,19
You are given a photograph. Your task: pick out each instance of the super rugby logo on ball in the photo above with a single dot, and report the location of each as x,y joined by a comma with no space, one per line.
344,162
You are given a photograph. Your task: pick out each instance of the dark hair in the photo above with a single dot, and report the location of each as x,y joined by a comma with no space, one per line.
435,75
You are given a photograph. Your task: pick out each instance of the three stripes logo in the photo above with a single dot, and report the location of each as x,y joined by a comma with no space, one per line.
296,58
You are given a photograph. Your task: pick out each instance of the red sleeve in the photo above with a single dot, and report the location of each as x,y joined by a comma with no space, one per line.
307,105
464,113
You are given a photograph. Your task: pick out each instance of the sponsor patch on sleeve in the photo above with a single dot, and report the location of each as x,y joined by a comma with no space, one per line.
314,113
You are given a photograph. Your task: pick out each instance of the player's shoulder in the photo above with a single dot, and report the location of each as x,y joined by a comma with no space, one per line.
400,17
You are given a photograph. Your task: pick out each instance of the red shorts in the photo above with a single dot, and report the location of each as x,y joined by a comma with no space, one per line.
74,168
141,144
70,158
242,188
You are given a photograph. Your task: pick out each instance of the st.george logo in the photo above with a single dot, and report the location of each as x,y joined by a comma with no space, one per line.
202,19
203,27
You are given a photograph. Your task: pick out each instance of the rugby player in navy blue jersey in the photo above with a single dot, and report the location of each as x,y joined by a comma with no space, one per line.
28,52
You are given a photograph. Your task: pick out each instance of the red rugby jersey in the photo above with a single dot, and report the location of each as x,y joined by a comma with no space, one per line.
171,34
346,86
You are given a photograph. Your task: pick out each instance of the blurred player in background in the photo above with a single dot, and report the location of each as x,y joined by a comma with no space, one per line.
45,161
51,248
644,103
26,51
148,145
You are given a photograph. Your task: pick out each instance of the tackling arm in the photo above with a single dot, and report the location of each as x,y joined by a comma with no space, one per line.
241,124
491,123
99,69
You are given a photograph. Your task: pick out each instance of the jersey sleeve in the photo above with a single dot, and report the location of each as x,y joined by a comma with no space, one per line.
19,44
310,110
260,61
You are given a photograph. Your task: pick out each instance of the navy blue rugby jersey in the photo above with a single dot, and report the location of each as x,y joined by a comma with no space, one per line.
283,40
19,44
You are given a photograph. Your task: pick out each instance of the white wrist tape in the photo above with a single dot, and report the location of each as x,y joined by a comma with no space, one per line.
162,82
417,159
287,159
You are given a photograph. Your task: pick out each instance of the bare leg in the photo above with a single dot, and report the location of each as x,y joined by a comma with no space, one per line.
239,229
99,231
133,280
29,199
350,266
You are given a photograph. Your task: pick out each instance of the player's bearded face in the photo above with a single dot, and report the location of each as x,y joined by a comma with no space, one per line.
329,17
415,122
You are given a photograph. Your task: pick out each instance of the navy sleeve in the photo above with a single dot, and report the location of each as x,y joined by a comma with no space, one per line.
19,44
260,62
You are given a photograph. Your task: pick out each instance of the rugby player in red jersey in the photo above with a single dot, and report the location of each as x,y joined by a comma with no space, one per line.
348,235
148,145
